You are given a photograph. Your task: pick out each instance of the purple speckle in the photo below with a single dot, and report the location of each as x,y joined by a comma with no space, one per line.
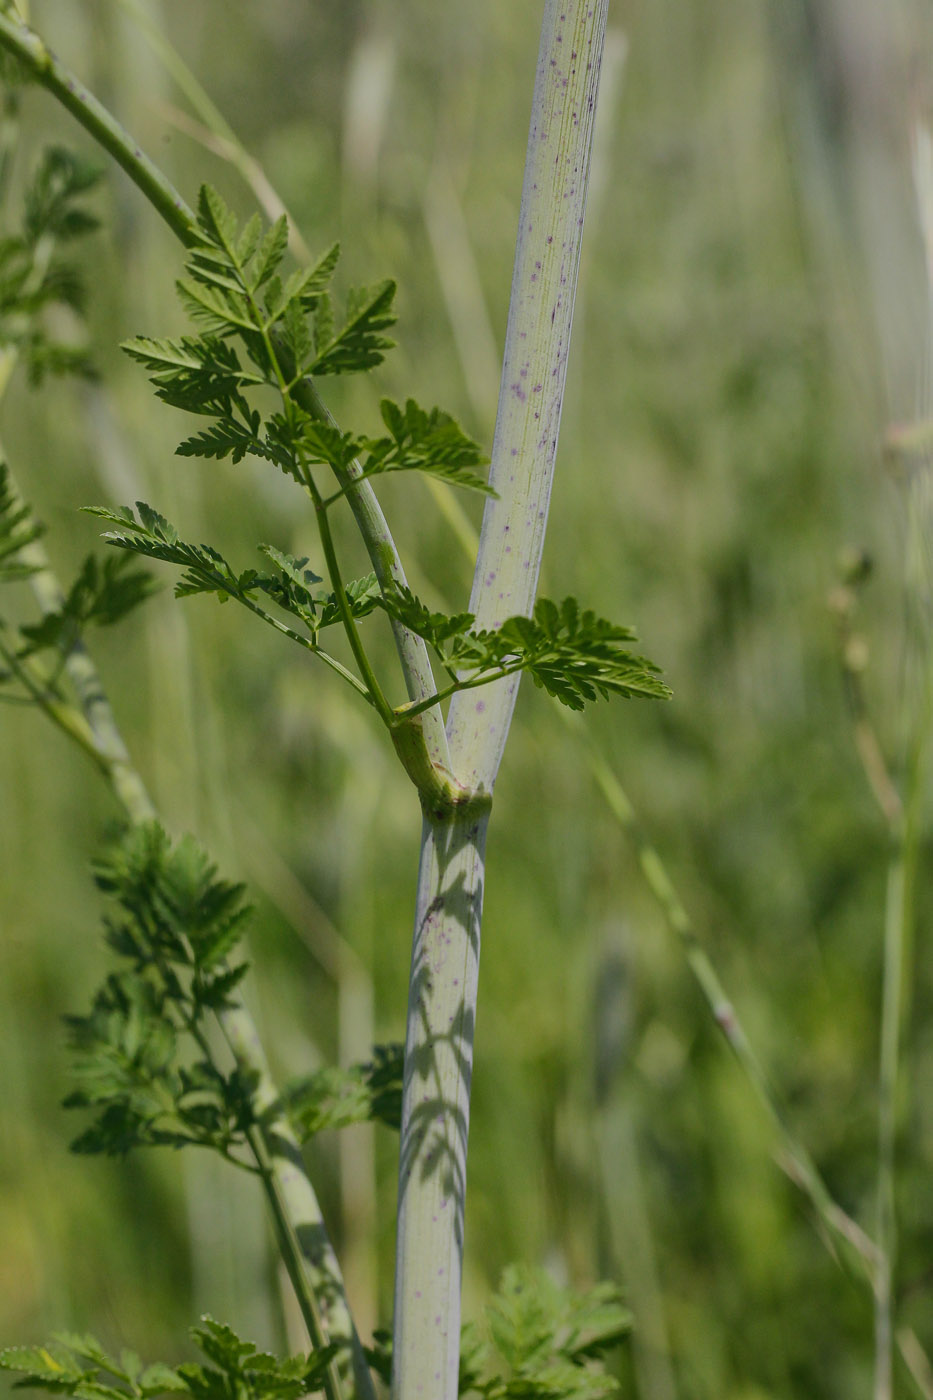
519,393
481,707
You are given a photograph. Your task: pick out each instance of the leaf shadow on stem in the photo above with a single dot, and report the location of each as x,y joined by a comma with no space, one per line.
439,1062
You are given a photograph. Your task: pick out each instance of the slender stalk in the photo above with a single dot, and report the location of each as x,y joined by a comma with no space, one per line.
887,1118
445,954
370,681
38,692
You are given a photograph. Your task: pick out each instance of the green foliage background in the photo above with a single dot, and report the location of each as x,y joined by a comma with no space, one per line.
750,321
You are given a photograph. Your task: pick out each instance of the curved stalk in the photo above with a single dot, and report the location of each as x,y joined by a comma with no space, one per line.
445,954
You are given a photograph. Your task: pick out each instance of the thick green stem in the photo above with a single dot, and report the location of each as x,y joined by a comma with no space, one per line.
445,958
436,1105
534,369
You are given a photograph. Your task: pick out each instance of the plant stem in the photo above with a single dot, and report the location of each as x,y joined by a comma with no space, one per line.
370,681
445,955
534,368
436,1106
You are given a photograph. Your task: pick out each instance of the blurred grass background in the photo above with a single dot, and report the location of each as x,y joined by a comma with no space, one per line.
752,318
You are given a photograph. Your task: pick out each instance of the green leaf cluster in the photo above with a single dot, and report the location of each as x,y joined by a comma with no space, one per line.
149,1064
537,1341
146,1065
290,584
337,1098
33,274
261,330
543,1342
78,1365
571,653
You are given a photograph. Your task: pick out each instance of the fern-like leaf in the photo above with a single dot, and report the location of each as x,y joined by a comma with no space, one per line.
430,442
360,344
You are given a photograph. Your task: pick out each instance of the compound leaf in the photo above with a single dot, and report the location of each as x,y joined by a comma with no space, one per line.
360,343
429,442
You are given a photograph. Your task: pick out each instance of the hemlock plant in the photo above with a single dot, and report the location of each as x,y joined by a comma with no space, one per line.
168,1053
